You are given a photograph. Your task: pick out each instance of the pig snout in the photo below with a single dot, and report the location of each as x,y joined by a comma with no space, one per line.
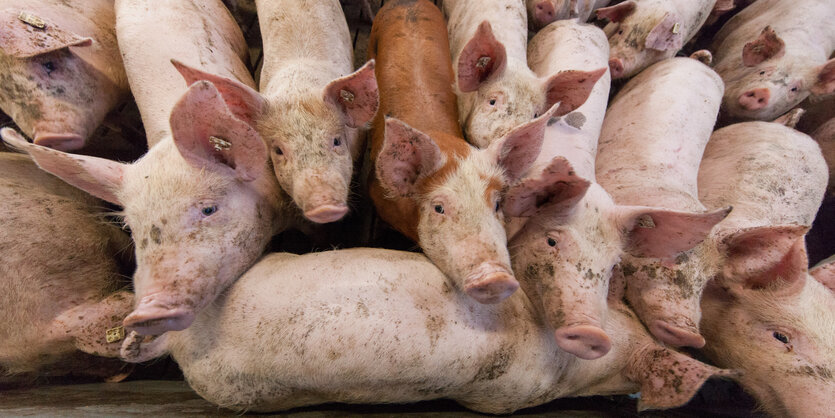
61,142
755,99
587,342
154,316
322,198
490,283
544,13
616,67
676,335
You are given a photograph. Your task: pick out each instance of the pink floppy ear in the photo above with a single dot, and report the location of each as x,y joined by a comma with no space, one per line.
243,101
482,59
97,176
666,36
557,184
766,256
517,150
24,40
661,233
825,273
407,156
355,95
768,45
617,12
571,88
825,82
208,134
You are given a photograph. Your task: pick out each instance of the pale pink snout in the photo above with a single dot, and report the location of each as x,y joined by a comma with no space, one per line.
616,67
326,213
755,99
154,317
61,142
587,342
490,284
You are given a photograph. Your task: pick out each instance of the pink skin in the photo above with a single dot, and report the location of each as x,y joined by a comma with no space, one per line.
59,276
643,32
58,84
772,55
825,137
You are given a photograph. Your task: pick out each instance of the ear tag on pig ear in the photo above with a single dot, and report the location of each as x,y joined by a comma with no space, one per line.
115,334
31,20
482,62
346,96
645,221
675,28
219,144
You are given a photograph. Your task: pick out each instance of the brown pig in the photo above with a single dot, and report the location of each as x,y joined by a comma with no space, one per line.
60,69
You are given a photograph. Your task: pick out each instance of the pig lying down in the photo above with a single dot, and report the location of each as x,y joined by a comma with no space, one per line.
394,329
60,68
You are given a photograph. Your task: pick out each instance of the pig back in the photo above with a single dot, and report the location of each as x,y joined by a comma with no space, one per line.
414,70
654,134
201,34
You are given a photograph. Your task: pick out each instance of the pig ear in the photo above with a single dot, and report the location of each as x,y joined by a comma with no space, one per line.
557,184
668,378
517,150
825,82
661,233
617,12
790,118
355,95
482,59
666,35
242,100
25,35
768,256
768,45
825,273
99,177
141,348
208,134
407,156
571,88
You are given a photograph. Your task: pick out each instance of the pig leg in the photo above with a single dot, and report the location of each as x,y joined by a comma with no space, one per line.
87,324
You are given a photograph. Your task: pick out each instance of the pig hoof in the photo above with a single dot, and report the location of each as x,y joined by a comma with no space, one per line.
60,142
156,322
326,213
616,67
587,342
676,336
493,288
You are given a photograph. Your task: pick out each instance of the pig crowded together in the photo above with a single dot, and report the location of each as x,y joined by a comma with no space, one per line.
600,198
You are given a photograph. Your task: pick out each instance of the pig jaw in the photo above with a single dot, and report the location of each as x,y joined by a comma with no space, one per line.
500,105
787,379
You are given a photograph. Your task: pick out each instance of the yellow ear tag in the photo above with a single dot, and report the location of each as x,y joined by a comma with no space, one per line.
219,143
115,334
31,20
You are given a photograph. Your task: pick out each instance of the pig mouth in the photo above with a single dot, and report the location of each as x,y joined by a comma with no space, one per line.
490,284
326,213
61,142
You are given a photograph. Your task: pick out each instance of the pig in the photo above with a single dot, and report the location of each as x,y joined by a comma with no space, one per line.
427,182
772,55
574,233
60,278
653,137
543,12
203,203
286,335
60,69
643,32
763,313
312,104
496,90
825,137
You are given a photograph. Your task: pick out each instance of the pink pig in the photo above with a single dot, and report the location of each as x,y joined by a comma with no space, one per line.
543,12
61,69
773,54
643,32
496,90
763,313
203,203
59,278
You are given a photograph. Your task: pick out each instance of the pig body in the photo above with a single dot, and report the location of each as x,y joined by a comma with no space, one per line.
653,138
59,279
496,89
764,313
543,12
643,32
203,203
61,72
825,137
373,337
773,54
313,105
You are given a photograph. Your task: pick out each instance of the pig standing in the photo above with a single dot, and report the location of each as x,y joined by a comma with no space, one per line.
60,69
59,279
312,105
565,252
202,203
393,329
496,89
543,12
773,54
643,32
763,313
652,142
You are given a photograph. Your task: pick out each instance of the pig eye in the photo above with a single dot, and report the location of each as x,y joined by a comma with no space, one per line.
496,206
552,242
49,67
781,337
762,72
208,210
492,102
794,88
535,115
337,141
439,209
620,32
278,151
